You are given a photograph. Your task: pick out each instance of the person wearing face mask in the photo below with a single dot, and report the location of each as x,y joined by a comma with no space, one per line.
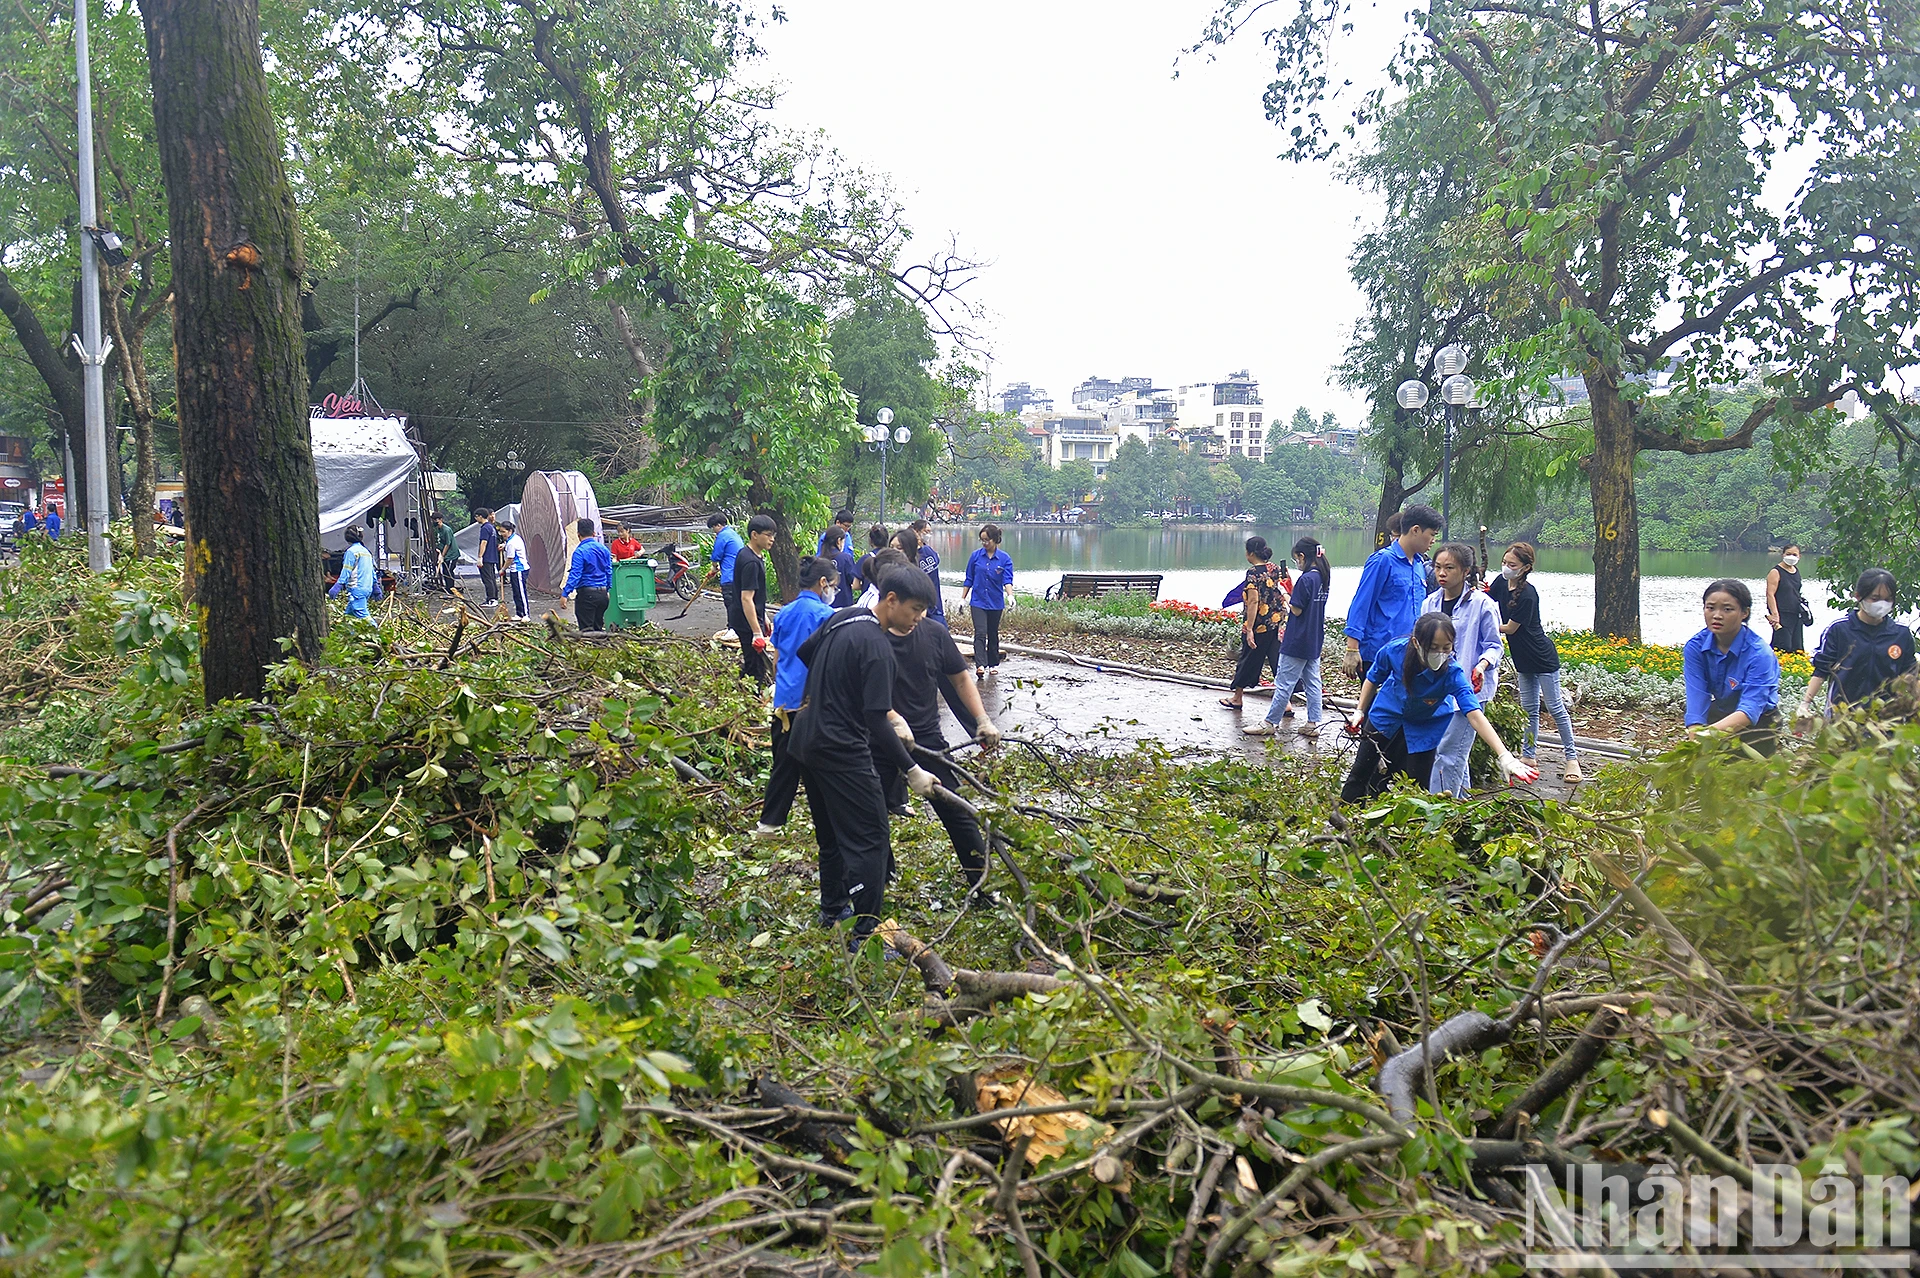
1787,611
793,626
1476,628
1392,585
845,721
1860,653
1732,679
1536,662
1301,642
1412,691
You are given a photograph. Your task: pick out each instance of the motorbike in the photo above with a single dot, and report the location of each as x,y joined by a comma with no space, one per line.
674,571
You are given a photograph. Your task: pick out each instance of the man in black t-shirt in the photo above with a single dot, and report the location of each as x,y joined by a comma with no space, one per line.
845,721
923,661
750,586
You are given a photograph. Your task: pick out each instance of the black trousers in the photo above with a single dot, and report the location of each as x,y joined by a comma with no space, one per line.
490,579
1256,657
446,575
753,662
517,584
986,636
1379,760
969,844
850,826
590,607
784,783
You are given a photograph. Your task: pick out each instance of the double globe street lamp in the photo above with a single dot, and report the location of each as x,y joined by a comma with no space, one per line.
1457,395
885,438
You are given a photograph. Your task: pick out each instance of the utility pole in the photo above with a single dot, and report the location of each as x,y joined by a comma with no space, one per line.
89,344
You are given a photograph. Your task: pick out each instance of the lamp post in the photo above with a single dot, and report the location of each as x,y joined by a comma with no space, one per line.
88,344
1457,393
510,462
885,438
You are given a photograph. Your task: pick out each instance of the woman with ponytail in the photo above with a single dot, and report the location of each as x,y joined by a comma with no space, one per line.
1301,642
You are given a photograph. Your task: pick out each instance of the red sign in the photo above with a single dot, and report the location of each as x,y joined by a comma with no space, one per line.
53,495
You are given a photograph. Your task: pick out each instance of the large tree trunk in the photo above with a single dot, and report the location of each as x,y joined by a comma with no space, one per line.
246,446
58,370
785,554
1393,491
1616,517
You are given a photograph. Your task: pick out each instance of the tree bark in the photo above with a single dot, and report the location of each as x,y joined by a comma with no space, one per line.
57,370
785,554
1393,491
1616,515
129,340
245,441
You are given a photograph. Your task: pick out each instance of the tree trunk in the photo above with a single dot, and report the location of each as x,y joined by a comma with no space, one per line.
129,339
245,442
1616,517
785,554
58,370
1393,491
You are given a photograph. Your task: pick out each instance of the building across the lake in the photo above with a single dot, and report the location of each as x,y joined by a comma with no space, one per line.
1018,397
1225,417
1097,391
1075,436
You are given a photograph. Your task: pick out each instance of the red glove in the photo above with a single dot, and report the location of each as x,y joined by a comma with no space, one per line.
1476,678
1353,727
760,643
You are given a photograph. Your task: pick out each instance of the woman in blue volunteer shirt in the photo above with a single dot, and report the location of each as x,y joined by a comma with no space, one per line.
987,593
1476,628
1406,705
1732,677
1863,651
792,626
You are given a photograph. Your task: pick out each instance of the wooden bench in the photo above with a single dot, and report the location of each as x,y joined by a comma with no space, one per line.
1093,585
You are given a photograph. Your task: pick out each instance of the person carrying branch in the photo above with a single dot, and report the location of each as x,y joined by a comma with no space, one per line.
927,664
1411,693
845,720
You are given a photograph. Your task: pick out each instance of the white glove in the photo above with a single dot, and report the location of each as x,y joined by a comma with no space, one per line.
899,726
1516,772
987,733
921,782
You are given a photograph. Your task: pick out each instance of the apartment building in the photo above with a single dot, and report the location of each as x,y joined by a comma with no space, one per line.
1079,436
1225,417
1019,398
1097,391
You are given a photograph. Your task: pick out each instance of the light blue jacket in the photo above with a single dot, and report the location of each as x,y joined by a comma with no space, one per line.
356,572
1476,628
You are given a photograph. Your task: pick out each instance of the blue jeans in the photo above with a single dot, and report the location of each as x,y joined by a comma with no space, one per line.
1455,751
1538,688
1291,670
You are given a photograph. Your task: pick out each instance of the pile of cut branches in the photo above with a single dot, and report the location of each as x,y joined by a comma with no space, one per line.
455,955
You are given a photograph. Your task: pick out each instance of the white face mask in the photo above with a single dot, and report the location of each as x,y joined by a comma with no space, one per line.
1509,572
1876,609
1789,560
1435,660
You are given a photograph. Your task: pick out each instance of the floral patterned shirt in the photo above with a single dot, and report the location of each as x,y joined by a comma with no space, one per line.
1265,600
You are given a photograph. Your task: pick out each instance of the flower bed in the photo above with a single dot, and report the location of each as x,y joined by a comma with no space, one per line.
1193,612
1623,656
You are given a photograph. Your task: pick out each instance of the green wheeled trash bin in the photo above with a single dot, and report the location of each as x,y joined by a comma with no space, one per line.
633,593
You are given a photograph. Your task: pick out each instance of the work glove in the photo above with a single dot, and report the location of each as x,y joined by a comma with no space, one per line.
899,726
1803,716
760,643
1353,726
1350,664
1476,678
987,733
1516,772
921,782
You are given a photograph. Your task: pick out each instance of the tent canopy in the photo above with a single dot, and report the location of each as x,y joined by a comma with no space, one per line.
359,461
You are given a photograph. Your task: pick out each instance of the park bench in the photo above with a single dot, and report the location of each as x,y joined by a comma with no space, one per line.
1093,585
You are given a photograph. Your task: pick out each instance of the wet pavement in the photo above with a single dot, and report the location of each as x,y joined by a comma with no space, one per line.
1083,708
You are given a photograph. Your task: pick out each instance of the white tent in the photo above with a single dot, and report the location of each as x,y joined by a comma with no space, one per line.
360,462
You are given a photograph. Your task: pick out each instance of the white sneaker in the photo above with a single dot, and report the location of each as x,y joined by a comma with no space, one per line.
765,831
1311,731
1259,728
491,603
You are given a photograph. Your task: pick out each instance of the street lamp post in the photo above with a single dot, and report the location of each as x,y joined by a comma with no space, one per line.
1456,394
884,441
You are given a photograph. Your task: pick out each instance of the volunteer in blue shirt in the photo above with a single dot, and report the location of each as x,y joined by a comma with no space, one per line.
1476,628
53,522
1392,587
841,557
589,579
1732,677
356,573
843,521
791,627
29,521
929,560
1412,691
1863,651
726,549
987,593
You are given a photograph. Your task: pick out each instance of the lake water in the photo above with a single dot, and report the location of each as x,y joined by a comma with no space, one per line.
1201,565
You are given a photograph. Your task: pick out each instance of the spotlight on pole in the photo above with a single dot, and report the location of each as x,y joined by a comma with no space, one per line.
112,248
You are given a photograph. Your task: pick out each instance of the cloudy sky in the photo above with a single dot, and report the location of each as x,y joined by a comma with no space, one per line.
1136,224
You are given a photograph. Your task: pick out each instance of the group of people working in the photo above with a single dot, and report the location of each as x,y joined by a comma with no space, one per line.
32,520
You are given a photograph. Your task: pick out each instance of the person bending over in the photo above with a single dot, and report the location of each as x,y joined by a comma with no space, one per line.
844,721
1731,676
1407,702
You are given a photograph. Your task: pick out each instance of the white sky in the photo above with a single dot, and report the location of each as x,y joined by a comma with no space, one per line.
1136,225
